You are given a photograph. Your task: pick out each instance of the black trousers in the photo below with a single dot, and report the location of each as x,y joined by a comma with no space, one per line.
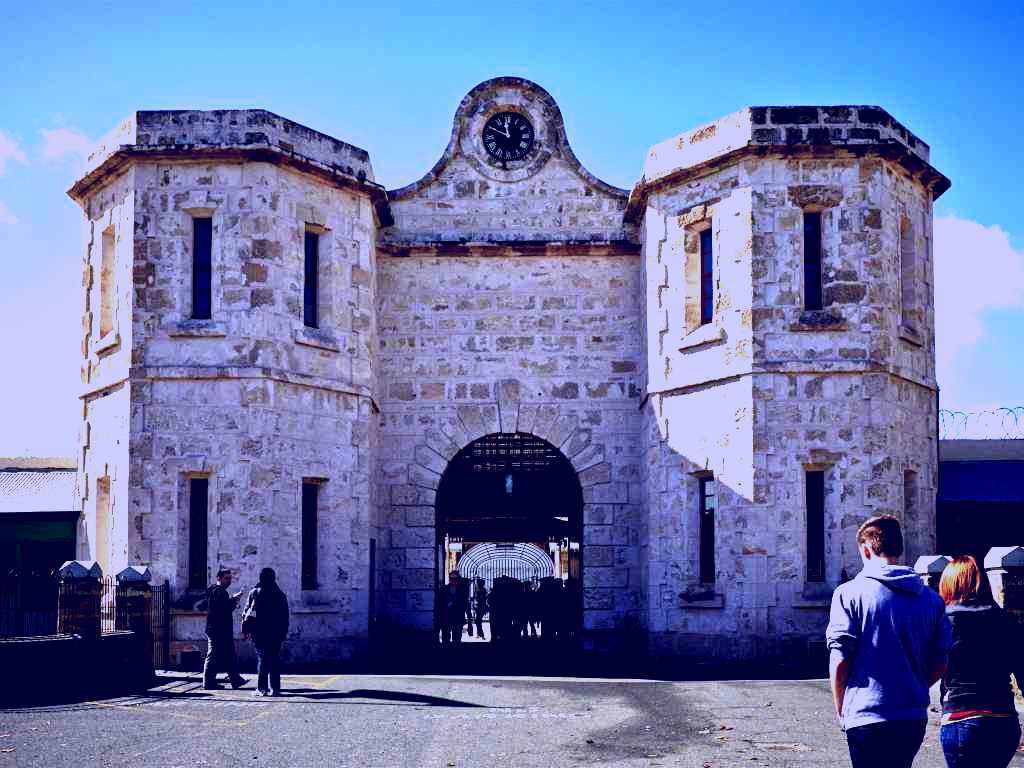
220,657
268,667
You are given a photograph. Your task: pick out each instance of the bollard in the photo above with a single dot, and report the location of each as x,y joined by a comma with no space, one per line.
930,568
132,599
78,603
1005,569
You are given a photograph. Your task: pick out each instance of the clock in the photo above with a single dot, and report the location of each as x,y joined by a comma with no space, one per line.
508,136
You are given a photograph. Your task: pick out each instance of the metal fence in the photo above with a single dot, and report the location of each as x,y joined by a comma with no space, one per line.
34,606
28,605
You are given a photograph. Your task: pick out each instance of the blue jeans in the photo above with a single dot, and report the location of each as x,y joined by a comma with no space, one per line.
268,667
893,743
984,742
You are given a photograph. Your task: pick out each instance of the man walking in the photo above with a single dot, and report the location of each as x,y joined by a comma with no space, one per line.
265,619
220,634
888,639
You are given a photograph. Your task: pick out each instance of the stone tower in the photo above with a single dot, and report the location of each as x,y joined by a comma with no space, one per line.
228,385
731,367
791,372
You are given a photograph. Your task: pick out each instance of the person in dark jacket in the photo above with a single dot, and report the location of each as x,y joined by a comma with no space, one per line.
265,620
980,728
454,606
220,633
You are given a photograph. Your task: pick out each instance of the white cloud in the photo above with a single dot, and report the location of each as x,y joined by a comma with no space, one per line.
976,271
6,217
59,143
9,151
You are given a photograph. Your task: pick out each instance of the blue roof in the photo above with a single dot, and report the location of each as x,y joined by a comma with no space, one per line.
981,481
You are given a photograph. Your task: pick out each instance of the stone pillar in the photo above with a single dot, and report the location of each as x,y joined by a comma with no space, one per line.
930,568
133,599
78,601
1005,569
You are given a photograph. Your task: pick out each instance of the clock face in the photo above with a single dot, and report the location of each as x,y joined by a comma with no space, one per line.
508,136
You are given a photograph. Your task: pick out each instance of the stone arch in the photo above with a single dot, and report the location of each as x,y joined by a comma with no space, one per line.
507,413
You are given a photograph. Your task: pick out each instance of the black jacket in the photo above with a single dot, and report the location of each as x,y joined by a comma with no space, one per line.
988,646
268,607
220,606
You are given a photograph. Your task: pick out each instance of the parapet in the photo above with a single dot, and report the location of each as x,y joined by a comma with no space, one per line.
253,134
762,131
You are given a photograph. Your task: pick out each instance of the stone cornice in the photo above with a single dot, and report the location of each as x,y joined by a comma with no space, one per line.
931,179
511,248
122,158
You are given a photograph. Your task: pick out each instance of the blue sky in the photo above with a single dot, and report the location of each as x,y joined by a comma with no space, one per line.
388,77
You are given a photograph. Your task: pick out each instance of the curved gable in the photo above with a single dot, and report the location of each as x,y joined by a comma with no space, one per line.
470,197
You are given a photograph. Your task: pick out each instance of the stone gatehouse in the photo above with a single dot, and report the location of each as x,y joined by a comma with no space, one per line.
282,361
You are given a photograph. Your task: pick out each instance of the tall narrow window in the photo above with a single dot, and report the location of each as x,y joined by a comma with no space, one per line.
707,295
107,289
202,269
310,498
311,293
198,509
812,260
909,496
101,550
815,497
908,274
708,505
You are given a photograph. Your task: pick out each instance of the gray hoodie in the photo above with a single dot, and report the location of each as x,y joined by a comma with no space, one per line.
893,630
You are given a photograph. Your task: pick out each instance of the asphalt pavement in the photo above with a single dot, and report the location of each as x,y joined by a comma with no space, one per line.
442,722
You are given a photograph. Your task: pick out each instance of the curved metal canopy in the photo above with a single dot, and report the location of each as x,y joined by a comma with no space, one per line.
488,560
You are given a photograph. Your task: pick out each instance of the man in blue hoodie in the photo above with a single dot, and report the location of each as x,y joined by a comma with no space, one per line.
888,638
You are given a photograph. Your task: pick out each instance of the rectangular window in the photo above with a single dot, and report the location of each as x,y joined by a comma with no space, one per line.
908,274
812,260
310,498
198,508
107,290
311,293
202,269
101,549
815,497
707,295
708,504
909,496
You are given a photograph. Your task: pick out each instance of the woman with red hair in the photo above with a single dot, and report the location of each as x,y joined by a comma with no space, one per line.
980,728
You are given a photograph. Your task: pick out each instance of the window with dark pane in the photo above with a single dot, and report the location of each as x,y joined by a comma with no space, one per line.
708,506
311,291
908,274
812,260
202,269
198,510
815,492
707,297
310,502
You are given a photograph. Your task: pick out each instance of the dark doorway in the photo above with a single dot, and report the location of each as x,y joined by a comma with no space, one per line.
510,518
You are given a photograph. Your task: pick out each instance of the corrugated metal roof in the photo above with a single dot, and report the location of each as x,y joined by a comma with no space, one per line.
38,490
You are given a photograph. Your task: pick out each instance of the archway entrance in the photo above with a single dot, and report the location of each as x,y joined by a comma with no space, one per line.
509,523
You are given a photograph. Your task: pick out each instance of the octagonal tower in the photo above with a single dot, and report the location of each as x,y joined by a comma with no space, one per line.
790,367
229,347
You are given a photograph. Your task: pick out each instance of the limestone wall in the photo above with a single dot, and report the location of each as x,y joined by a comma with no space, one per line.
848,390
107,237
546,346
252,398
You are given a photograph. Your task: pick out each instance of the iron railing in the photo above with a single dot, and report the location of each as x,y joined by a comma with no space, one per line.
36,606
